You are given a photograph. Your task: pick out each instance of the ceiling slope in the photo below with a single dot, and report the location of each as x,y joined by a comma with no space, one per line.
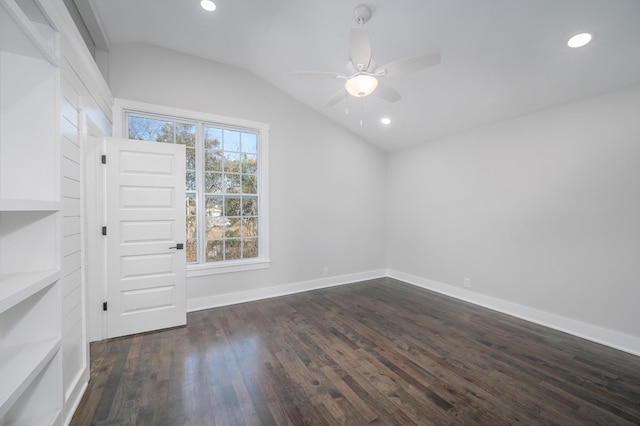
500,58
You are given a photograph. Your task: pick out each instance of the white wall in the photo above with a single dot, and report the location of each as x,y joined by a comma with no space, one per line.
542,211
327,186
539,211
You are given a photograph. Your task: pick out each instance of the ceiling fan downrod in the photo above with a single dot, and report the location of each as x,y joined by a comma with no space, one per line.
362,14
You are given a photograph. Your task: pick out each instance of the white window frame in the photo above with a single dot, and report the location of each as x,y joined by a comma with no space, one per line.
123,106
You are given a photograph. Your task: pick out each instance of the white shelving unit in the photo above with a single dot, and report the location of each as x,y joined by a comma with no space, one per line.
30,223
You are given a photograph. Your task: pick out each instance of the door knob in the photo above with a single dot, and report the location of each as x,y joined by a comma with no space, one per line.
178,246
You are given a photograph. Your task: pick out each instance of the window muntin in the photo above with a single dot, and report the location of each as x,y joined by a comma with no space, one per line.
222,176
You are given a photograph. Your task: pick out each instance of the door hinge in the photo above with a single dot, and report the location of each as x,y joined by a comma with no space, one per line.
104,159
104,306
104,230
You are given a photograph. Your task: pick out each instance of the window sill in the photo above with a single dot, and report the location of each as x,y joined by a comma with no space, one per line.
227,267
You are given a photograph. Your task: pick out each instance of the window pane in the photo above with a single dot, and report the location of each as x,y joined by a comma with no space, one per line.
232,162
232,249
232,206
213,160
231,140
191,159
215,227
163,131
213,182
213,206
250,227
190,208
190,181
249,248
191,227
140,128
249,184
232,184
215,250
215,221
249,163
233,227
191,251
250,143
212,138
249,206
186,134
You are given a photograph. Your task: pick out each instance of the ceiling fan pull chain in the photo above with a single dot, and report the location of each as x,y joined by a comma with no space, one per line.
361,109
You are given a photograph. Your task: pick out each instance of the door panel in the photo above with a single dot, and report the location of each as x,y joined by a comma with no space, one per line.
160,231
146,280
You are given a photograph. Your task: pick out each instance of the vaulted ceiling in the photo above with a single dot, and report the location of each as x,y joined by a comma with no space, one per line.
500,58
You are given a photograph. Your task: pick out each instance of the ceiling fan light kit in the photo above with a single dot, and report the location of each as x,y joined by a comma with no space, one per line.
361,85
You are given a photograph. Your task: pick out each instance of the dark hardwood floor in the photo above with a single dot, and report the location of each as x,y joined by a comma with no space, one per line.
379,352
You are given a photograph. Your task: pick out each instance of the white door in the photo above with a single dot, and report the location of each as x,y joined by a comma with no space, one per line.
146,277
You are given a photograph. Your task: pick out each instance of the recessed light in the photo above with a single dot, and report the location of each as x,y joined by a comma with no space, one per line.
385,121
579,40
208,5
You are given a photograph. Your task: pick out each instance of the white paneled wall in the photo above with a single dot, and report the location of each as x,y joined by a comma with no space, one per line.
74,357
86,101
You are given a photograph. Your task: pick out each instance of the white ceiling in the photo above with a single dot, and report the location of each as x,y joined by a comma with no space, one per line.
500,58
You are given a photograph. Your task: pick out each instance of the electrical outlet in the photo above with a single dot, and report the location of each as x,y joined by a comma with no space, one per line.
325,271
467,282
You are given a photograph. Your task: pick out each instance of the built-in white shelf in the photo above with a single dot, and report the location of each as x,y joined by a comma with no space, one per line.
12,204
14,288
29,241
20,365
31,389
29,104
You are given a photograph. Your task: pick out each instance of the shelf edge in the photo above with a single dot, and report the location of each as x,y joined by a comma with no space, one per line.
12,291
11,398
15,204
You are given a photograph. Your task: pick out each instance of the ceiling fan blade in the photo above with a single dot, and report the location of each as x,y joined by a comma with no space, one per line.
337,97
387,93
319,74
407,65
360,49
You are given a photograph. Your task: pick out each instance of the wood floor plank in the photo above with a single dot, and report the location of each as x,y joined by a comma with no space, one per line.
379,352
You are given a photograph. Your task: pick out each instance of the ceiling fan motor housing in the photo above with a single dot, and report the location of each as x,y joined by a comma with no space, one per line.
351,69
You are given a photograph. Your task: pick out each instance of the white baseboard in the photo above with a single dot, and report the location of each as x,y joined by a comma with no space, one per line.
74,395
604,336
280,290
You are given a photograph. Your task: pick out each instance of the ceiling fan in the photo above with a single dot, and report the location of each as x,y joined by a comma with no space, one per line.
362,73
